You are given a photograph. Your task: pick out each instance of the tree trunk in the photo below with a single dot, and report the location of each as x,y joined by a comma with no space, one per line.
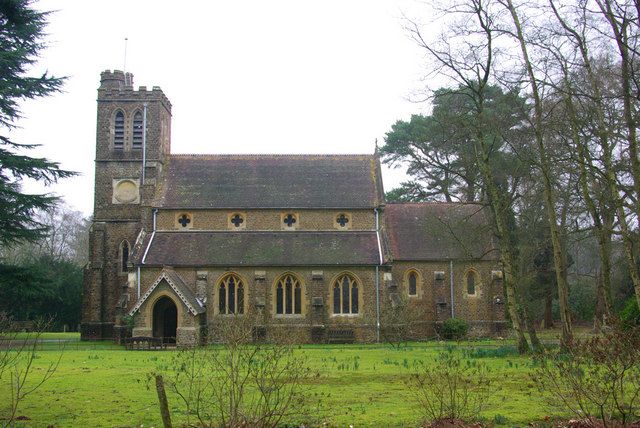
601,316
602,228
620,27
498,209
548,310
604,217
549,196
531,329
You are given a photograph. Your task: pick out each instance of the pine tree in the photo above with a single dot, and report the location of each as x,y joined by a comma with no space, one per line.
21,40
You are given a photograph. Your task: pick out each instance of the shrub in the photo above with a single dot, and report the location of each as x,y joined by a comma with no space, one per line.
453,329
598,380
630,315
450,388
240,383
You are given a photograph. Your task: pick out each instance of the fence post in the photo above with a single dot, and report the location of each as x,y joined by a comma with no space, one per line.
162,399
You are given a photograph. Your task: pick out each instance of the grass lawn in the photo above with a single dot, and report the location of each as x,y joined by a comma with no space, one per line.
102,385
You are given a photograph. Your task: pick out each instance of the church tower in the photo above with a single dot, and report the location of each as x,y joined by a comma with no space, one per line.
133,140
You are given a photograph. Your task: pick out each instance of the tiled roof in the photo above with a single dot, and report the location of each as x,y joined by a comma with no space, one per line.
439,231
271,181
205,248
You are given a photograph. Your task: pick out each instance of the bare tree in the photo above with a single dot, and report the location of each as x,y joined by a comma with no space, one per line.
466,53
623,19
66,239
544,165
17,366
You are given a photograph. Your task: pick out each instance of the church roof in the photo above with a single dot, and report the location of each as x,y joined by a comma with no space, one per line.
439,231
207,248
271,181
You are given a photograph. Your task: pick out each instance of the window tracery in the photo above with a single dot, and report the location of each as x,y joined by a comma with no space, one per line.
288,295
346,295
231,295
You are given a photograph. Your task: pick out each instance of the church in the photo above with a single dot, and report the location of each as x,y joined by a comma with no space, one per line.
304,243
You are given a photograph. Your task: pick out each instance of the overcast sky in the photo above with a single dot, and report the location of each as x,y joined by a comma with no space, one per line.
251,76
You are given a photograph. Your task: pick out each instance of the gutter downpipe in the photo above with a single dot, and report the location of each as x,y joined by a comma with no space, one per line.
378,277
155,212
453,312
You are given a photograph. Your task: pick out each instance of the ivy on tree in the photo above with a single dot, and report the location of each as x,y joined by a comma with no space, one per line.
21,40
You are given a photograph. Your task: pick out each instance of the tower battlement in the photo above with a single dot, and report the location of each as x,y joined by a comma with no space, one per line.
116,79
117,85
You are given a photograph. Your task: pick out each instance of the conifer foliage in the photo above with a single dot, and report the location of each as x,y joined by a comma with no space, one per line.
21,40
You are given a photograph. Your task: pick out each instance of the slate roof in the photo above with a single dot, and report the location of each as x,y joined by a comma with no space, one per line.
206,248
439,231
271,181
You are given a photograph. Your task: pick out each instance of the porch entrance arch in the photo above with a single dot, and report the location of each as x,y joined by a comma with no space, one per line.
165,319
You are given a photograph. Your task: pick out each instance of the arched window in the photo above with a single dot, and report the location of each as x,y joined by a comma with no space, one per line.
471,280
124,256
345,295
412,282
231,295
137,130
118,131
288,295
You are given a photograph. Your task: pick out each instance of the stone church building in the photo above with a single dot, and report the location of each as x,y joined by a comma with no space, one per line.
300,242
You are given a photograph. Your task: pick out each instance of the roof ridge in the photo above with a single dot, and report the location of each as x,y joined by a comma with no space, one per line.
434,203
248,232
216,155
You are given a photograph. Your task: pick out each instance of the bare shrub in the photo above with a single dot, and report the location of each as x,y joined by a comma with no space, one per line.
17,357
449,387
239,383
597,380
401,322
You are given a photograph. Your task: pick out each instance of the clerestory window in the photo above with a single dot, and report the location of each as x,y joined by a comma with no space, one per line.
289,221
342,221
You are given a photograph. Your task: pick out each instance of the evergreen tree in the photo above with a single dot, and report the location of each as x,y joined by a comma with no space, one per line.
21,40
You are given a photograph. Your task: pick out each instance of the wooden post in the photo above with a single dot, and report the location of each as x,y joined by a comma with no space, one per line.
162,399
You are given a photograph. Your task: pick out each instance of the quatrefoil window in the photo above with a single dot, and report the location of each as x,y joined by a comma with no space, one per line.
184,221
343,221
289,220
237,221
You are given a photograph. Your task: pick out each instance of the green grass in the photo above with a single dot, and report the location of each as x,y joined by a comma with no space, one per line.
103,385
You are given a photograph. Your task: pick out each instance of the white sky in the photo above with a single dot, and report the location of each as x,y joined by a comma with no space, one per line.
252,76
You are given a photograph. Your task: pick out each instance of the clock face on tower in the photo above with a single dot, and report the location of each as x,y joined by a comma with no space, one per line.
126,191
